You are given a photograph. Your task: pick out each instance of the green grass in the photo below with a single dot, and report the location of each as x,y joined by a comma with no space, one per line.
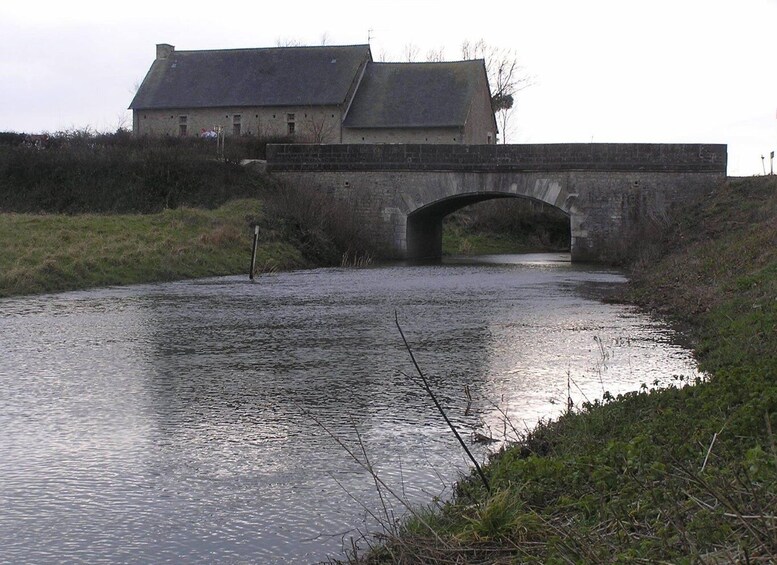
459,241
50,253
681,475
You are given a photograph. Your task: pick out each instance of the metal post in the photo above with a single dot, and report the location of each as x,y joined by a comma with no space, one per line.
253,253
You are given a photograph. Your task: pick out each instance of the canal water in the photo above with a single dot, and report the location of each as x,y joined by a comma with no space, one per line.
190,422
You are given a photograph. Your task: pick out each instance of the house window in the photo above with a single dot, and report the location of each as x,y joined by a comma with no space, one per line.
182,125
290,124
236,124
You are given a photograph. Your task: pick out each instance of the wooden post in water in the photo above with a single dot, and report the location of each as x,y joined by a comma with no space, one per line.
253,253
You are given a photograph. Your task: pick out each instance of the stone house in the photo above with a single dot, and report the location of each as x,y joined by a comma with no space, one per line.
327,94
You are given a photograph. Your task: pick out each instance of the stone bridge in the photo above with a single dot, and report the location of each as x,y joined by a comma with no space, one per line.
610,191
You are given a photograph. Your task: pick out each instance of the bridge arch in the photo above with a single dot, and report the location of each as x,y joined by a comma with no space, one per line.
425,224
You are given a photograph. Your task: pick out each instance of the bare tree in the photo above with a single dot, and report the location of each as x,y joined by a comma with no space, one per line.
324,38
123,122
411,52
287,42
316,127
505,77
435,55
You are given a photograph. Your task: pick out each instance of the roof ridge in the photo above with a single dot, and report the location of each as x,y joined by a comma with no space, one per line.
364,45
416,63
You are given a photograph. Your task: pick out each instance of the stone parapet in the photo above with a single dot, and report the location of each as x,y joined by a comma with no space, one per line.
556,157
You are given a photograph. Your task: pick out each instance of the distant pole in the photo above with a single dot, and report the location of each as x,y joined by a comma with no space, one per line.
219,141
771,163
763,163
253,253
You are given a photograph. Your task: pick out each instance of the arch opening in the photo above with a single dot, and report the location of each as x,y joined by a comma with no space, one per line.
425,225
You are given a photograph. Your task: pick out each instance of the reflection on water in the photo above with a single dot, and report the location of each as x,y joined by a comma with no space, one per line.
172,423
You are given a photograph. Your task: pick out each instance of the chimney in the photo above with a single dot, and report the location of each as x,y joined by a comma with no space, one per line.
164,50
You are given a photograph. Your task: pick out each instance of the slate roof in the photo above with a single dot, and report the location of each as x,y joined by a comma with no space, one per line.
415,94
282,76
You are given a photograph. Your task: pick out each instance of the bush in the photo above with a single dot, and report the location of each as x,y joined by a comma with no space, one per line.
80,171
324,229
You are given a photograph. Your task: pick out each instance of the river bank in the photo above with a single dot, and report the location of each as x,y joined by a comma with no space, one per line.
684,474
53,253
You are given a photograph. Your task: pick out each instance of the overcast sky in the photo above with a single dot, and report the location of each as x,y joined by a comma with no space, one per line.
674,71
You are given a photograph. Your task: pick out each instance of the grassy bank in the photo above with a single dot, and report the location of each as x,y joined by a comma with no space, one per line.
457,240
49,253
683,475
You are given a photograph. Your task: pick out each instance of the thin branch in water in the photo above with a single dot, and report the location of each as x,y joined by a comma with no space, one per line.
372,472
428,390
578,388
374,475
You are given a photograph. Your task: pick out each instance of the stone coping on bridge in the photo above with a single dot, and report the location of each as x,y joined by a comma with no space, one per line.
610,157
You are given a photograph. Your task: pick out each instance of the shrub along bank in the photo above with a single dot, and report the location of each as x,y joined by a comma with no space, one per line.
682,475
81,172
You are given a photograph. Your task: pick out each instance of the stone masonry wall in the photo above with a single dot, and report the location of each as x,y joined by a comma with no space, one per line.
536,157
319,124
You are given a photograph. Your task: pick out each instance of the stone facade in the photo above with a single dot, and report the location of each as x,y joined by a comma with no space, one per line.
403,135
607,190
300,124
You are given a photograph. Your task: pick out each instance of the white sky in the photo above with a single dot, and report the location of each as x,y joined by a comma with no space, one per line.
652,71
